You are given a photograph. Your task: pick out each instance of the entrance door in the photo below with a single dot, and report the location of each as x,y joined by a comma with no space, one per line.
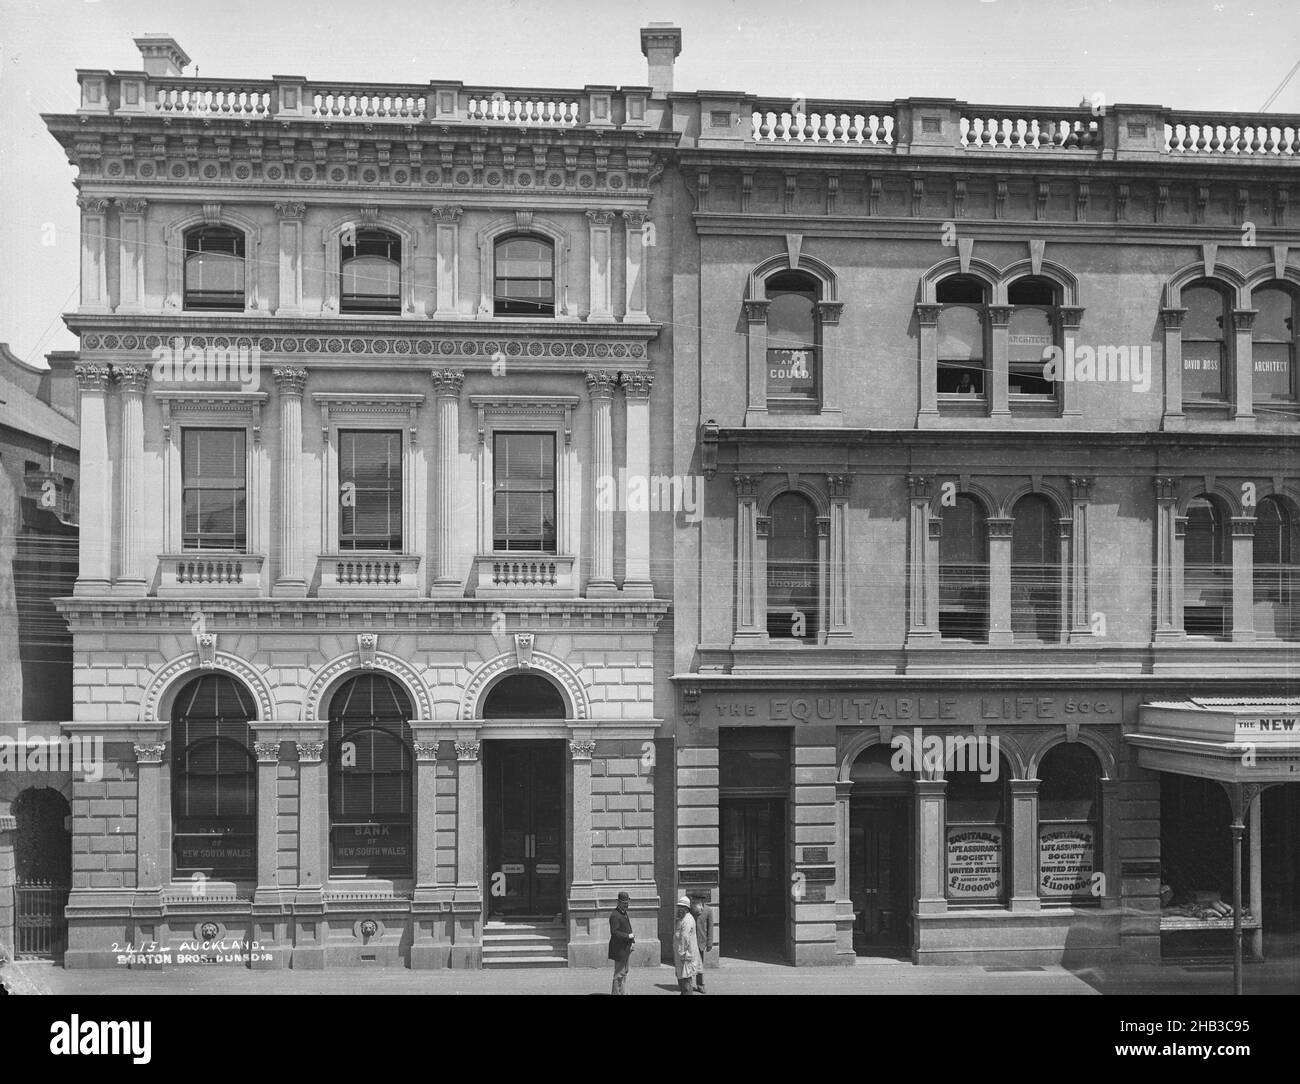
753,864
879,874
523,805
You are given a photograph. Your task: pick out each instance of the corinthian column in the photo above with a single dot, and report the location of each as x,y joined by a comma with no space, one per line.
636,526
290,383
132,380
94,546
446,390
601,388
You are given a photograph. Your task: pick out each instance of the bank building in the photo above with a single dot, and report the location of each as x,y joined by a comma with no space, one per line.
382,675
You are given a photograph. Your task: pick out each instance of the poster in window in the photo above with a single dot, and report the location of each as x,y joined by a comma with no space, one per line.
1067,856
974,862
791,372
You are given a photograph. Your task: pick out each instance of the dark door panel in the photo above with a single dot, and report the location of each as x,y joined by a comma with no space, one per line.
524,827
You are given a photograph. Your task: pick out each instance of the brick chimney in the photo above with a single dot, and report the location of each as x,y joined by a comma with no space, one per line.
161,55
660,45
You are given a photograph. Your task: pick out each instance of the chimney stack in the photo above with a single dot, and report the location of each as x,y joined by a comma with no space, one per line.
161,55
660,45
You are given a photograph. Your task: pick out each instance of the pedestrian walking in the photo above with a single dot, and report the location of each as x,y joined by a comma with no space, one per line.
703,916
621,941
686,950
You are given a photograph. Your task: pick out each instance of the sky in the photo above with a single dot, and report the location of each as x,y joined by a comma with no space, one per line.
1187,54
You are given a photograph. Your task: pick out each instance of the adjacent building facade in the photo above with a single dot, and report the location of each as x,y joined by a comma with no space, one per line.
496,499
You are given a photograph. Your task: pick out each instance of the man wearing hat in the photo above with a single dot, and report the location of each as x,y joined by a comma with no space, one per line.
686,949
620,943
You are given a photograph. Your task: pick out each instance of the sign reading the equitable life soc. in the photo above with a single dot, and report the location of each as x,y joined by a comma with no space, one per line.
974,862
1066,857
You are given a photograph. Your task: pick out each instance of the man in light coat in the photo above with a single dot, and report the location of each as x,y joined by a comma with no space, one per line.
686,949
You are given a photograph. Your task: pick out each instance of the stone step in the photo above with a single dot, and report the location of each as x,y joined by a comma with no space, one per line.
525,961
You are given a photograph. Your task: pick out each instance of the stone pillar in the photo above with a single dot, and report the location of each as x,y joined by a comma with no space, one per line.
467,904
1243,578
150,854
268,772
290,217
1109,843
600,386
1024,845
291,581
1069,318
1079,601
640,233
1173,335
446,226
94,544
999,528
131,250
922,563
313,857
580,753
838,626
927,327
94,270
430,902
426,784
931,817
1255,891
636,521
843,901
8,878
132,381
997,391
447,384
756,325
1243,375
751,606
601,310
1064,553
1169,562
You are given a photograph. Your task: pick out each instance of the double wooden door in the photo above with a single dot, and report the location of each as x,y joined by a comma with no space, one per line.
523,805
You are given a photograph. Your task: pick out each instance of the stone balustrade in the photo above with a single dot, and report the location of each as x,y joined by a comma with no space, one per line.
195,575
361,575
523,575
1231,136
1020,129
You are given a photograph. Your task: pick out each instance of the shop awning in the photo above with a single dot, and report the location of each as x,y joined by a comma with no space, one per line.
1231,740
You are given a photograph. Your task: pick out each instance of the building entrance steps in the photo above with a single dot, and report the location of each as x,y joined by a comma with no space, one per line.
525,942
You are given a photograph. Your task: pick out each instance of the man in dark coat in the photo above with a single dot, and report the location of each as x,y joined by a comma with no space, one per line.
703,934
620,943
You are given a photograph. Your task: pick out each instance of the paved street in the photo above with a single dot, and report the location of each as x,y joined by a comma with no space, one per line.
734,977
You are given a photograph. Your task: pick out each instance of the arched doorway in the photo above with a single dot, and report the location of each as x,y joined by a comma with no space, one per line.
882,857
43,868
524,802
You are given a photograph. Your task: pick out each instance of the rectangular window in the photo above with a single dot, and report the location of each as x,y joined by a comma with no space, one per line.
370,490
214,481
1274,378
523,492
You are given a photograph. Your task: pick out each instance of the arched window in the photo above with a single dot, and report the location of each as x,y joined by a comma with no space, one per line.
214,269
1069,824
524,277
370,264
1035,570
977,838
792,573
964,572
214,780
524,696
962,336
1275,573
793,339
1033,304
1207,569
1273,346
1205,354
370,778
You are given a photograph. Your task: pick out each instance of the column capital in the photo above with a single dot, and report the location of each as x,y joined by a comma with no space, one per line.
746,484
1000,526
132,205
94,205
600,218
1071,316
927,315
635,220
829,312
447,382
1173,318
999,315
132,379
309,752
637,384
149,752
290,381
918,487
600,385
1244,319
426,751
1243,526
467,751
93,377
756,310
290,209
582,750
1081,487
839,484
1166,488
448,213
268,752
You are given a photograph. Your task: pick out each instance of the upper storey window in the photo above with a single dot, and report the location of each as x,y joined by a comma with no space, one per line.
214,269
1029,334
1273,346
1205,355
371,268
524,279
793,340
962,341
